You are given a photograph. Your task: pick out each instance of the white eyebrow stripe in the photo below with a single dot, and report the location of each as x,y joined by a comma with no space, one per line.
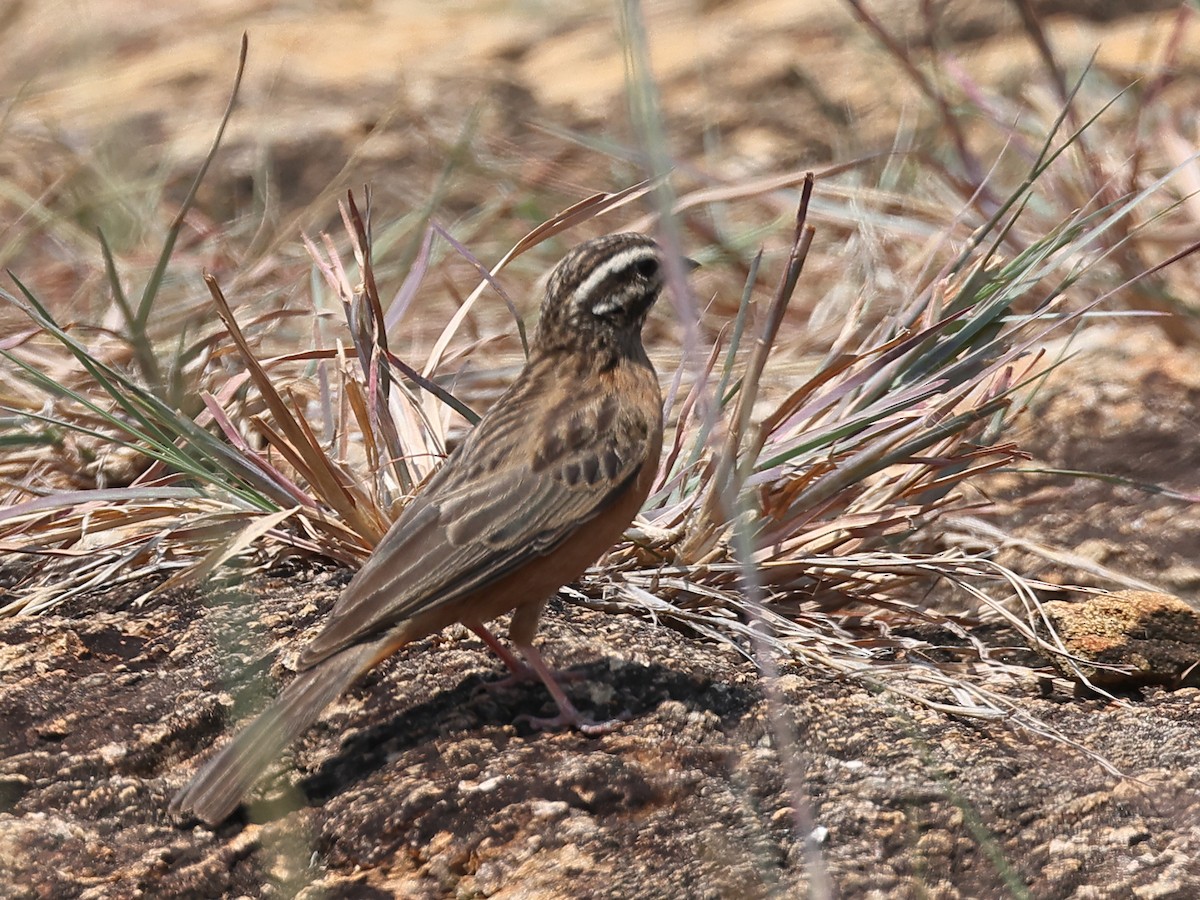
621,261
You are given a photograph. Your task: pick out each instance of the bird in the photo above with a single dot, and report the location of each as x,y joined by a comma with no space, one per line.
543,485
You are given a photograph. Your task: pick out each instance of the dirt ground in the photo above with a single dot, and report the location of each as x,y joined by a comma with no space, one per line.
418,785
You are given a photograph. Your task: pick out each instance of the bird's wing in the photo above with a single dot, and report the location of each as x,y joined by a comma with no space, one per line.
489,511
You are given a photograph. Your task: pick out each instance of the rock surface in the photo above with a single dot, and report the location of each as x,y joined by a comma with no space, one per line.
1139,637
417,785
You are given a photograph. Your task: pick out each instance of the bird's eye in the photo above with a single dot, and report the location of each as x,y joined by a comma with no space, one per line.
648,267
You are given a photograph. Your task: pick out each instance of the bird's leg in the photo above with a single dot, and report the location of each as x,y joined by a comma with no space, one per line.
522,626
521,631
519,672
567,713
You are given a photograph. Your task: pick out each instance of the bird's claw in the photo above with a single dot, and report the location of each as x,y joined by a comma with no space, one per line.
526,676
574,718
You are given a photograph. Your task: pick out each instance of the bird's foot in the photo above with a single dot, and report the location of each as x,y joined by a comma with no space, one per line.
526,675
512,680
567,713
575,719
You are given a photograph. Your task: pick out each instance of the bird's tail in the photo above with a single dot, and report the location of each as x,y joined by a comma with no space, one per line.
216,790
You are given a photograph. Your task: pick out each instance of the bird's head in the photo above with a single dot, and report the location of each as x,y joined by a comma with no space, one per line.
600,293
